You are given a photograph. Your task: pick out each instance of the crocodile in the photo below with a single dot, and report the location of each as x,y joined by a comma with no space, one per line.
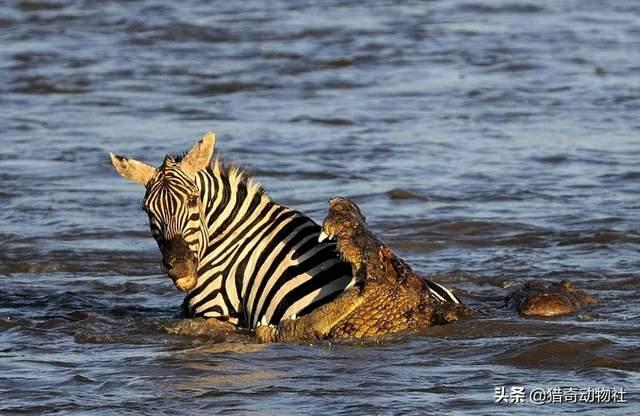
552,299
390,297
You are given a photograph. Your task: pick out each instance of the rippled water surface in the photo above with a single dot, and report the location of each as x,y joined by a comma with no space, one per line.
488,142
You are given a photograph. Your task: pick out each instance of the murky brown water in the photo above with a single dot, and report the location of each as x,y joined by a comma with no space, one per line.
489,142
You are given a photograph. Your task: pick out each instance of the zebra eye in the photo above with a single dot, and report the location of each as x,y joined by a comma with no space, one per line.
192,201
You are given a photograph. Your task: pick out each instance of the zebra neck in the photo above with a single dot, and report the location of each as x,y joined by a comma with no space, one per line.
239,218
229,197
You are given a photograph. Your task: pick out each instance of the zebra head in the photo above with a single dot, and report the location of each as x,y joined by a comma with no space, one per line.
176,212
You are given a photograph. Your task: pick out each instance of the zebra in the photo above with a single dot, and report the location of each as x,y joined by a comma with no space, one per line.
239,256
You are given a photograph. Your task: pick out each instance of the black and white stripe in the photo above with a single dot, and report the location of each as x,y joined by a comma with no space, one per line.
441,293
171,201
259,261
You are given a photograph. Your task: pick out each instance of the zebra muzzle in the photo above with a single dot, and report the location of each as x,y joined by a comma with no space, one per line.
185,284
183,274
180,263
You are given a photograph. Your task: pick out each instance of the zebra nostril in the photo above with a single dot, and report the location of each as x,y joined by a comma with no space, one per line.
169,262
176,251
165,265
173,263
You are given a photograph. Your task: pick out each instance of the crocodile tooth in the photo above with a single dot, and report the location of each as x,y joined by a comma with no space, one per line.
293,317
263,321
323,236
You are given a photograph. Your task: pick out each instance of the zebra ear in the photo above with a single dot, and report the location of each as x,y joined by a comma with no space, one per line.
199,156
132,169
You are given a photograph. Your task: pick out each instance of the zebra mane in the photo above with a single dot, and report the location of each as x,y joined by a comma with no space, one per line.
236,174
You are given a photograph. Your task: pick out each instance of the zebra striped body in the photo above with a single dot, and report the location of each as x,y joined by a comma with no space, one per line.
238,255
262,259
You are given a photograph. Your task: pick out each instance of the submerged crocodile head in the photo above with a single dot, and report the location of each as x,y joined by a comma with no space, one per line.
553,299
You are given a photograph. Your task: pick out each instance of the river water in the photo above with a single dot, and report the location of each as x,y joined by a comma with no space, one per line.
488,142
